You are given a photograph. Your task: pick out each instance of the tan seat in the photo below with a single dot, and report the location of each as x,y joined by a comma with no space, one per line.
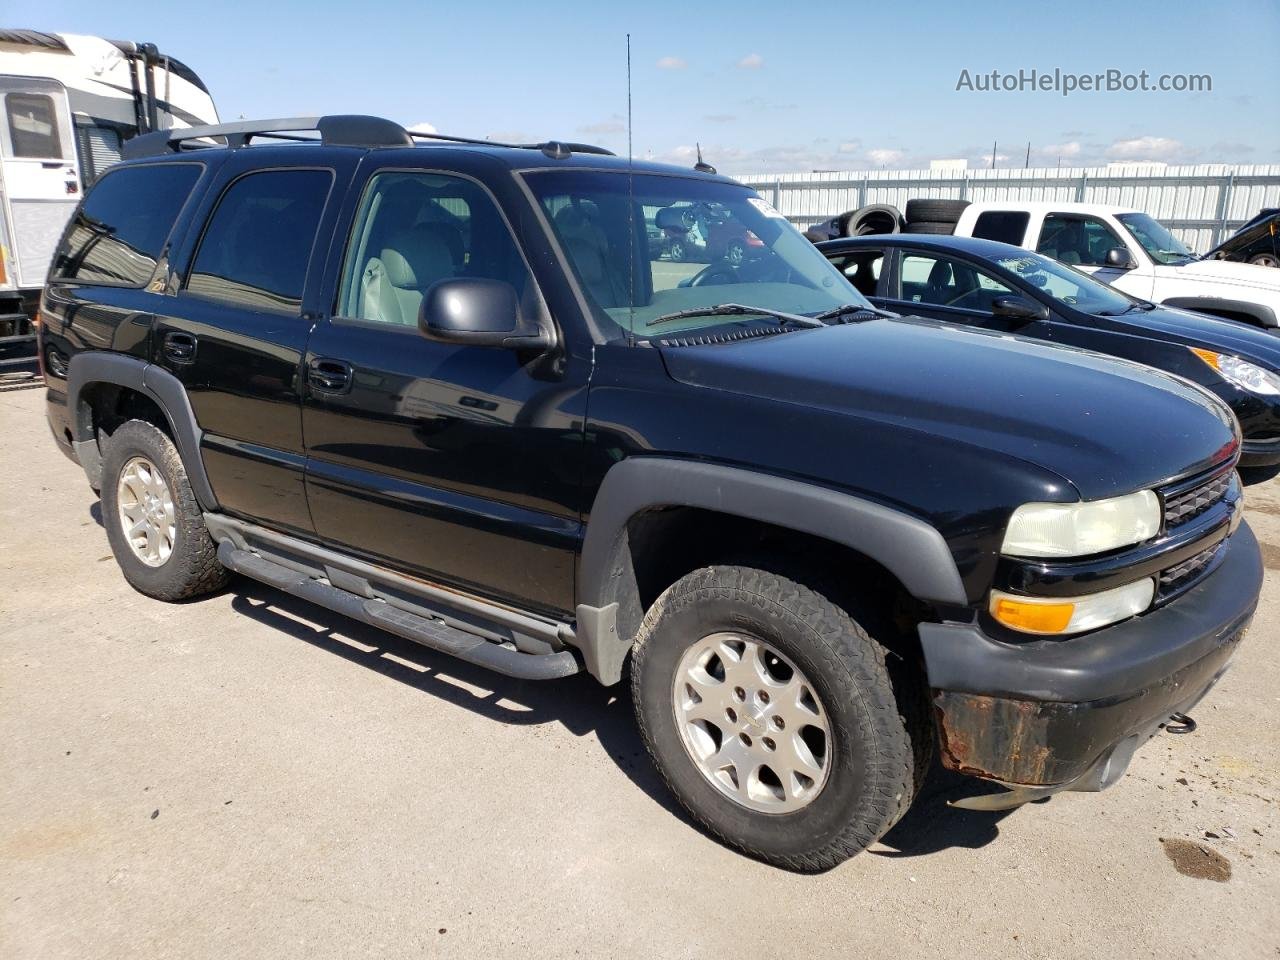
395,281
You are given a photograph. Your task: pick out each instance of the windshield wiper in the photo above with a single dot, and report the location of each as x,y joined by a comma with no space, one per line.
848,309
736,310
1143,305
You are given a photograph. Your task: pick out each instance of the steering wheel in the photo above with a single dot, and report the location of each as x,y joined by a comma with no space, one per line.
714,275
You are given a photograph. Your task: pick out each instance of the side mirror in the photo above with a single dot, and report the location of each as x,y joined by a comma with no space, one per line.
1019,308
478,312
1120,259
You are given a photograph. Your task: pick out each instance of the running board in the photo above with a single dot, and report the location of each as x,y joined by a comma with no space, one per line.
434,633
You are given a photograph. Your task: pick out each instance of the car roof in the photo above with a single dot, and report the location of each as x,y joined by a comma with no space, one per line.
432,153
1048,206
973,246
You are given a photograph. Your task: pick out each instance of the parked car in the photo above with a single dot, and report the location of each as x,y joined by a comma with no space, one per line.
707,232
1256,242
1000,287
1131,251
824,540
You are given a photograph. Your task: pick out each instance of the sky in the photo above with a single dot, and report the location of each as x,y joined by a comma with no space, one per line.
763,87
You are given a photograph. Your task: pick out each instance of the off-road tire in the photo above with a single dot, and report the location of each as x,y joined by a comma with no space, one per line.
881,740
192,569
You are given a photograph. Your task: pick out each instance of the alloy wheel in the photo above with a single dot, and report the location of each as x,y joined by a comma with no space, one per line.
752,723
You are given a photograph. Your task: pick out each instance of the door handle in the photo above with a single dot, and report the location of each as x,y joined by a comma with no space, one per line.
179,348
329,376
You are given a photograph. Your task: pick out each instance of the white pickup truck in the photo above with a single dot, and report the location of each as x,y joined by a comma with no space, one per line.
1131,251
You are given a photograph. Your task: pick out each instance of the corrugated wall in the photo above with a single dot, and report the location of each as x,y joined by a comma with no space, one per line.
1202,204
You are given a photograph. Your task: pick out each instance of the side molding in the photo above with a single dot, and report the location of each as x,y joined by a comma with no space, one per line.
162,387
912,550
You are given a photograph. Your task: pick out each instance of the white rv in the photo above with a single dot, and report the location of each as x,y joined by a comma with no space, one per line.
69,102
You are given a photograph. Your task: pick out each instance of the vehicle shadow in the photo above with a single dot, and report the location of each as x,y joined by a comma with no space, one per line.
932,825
580,704
583,707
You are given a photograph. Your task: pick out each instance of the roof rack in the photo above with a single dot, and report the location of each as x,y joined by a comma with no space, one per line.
343,130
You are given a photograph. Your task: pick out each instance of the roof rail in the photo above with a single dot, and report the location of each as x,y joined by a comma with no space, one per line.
557,149
342,130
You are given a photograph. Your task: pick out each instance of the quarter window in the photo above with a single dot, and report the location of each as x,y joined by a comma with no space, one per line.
33,125
1077,241
414,230
257,245
118,233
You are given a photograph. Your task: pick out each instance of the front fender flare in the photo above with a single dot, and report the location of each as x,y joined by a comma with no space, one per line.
1264,315
908,547
162,387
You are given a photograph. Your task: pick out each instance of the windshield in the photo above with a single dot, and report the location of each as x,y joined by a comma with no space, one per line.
693,244
1155,238
1067,285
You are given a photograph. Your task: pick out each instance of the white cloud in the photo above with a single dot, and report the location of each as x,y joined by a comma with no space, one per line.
672,63
752,61
884,157
1067,151
1146,148
849,146
422,127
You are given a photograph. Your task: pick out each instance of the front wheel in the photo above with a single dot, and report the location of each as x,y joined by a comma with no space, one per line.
771,715
1266,260
153,521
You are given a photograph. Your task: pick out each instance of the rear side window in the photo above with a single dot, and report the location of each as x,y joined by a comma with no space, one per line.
33,125
1003,226
119,231
257,244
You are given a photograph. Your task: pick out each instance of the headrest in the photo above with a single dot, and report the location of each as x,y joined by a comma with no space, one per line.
416,258
940,274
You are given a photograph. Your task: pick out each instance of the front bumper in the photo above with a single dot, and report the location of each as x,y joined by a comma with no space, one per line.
1069,713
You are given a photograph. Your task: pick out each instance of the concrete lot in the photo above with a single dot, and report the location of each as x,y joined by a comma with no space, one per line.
245,776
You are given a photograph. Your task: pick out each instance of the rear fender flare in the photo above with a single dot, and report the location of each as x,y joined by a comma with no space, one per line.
162,387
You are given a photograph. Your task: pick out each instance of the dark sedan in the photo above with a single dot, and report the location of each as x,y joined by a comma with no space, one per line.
1008,289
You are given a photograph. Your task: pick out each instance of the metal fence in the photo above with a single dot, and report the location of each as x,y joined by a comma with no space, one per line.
1201,204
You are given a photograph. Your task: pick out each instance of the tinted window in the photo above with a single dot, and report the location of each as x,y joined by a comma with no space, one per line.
1078,241
415,229
256,246
944,282
1004,226
33,125
119,231
862,268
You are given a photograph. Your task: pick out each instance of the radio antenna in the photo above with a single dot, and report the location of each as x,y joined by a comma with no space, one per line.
631,212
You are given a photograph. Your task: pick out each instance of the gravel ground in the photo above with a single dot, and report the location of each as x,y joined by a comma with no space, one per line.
245,776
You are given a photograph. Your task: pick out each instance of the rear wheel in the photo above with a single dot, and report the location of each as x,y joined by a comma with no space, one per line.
1266,260
736,252
771,715
153,521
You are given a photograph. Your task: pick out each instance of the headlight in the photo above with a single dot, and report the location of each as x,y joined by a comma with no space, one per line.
1061,615
1081,529
1246,375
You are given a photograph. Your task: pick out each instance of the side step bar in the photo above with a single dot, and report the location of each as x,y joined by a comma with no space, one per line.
433,633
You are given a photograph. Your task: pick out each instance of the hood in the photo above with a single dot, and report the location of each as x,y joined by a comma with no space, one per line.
1107,426
1249,275
1199,330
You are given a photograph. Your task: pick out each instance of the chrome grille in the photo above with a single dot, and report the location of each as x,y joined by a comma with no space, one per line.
1180,508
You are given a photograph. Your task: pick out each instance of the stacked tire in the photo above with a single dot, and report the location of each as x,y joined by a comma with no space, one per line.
933,216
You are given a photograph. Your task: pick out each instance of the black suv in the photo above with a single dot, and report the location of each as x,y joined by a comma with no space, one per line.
449,389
